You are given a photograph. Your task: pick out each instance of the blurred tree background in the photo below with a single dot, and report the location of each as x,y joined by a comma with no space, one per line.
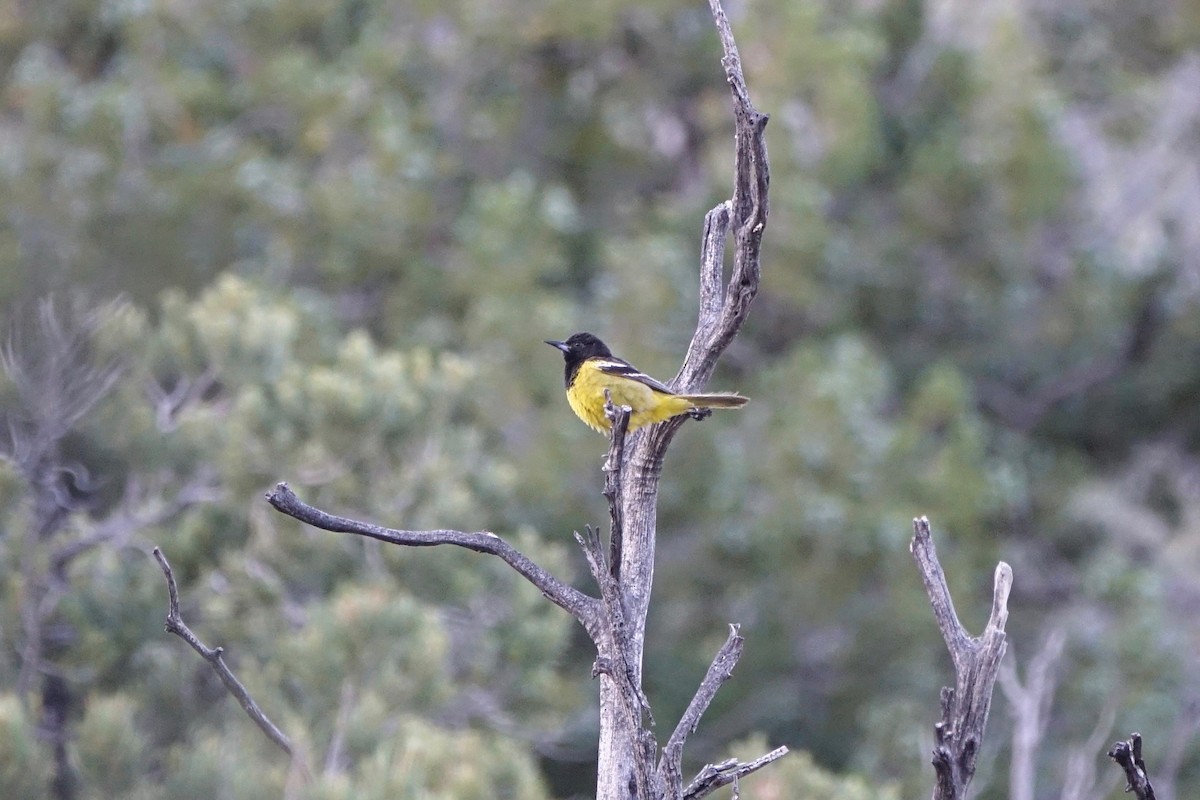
321,241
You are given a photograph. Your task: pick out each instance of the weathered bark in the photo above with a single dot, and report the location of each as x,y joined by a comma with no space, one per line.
959,734
1128,754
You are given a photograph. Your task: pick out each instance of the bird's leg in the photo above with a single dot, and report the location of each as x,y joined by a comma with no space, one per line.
700,413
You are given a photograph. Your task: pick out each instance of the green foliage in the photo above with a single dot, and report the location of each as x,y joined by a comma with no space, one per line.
425,762
344,228
336,638
25,767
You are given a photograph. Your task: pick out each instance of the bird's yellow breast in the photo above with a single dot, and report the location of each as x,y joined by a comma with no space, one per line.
586,397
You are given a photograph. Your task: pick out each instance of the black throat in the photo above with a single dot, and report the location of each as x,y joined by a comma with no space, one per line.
572,369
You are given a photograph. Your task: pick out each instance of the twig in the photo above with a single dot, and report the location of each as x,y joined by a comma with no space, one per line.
670,772
1129,755
714,776
337,742
570,599
959,734
215,658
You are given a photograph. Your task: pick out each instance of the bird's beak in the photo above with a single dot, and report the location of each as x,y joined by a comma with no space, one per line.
560,345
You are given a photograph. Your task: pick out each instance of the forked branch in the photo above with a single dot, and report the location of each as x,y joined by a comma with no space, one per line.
723,308
714,776
959,734
670,765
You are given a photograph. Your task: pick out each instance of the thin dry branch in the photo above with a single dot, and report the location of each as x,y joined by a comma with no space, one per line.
140,508
215,658
959,734
1129,755
714,776
670,766
723,310
576,603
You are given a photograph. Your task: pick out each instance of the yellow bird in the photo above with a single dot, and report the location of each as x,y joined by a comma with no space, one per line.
592,368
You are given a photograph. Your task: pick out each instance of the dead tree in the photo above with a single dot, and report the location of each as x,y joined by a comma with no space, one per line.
630,764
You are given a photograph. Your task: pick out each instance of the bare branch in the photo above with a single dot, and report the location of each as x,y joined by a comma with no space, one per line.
714,776
613,641
169,404
215,659
670,766
746,212
337,742
1129,755
56,374
959,735
925,553
570,599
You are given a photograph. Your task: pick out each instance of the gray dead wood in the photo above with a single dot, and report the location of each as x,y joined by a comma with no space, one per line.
215,656
1128,754
959,734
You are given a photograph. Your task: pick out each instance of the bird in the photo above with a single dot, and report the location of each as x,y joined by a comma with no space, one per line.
591,368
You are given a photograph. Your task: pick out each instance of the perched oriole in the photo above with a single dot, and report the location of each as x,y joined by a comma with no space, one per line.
592,368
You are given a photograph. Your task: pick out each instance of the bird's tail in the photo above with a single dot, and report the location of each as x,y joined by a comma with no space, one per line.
716,400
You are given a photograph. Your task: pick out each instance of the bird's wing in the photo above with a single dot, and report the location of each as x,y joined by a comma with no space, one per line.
611,365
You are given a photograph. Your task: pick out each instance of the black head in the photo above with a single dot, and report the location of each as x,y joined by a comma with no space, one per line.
581,346
577,349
